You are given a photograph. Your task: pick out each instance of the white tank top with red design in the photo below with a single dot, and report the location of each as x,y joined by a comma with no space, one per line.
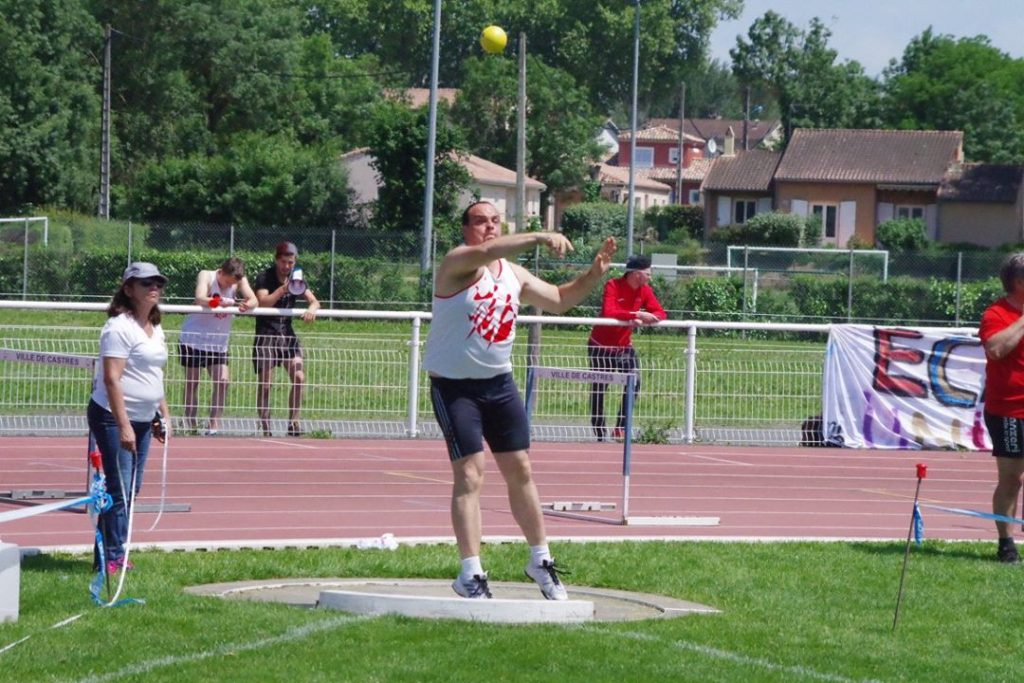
472,331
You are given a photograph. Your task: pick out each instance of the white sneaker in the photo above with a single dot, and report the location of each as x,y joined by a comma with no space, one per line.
546,576
474,588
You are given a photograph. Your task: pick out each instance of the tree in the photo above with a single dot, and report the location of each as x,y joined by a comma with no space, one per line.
397,143
257,180
561,128
942,83
49,104
799,70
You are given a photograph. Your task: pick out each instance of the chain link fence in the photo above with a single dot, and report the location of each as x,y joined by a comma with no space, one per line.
78,258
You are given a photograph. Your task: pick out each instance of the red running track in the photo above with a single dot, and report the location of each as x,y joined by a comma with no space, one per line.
252,492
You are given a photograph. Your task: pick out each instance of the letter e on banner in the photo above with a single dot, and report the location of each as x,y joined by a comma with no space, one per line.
886,352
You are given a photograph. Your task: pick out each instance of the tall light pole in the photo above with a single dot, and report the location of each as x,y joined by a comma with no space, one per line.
104,207
428,198
631,209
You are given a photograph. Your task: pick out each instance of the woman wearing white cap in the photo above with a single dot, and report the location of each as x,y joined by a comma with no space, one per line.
128,392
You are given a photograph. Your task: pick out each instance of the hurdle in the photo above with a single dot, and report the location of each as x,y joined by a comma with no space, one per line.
29,497
577,509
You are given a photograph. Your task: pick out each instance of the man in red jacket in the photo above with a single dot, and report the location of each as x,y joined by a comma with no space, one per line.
610,347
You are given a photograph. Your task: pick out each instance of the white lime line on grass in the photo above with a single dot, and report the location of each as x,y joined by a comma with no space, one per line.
292,634
755,662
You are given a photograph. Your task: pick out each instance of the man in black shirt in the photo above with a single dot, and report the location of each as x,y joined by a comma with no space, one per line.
275,342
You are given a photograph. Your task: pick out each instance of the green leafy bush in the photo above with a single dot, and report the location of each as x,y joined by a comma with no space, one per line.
591,221
902,234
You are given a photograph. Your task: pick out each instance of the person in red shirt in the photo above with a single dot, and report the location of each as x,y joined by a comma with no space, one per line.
1001,332
610,347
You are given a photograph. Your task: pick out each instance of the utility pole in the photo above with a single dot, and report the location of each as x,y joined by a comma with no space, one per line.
521,220
746,119
631,208
104,208
682,143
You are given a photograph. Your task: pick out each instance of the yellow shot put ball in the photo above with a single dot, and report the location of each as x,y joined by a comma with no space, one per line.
493,40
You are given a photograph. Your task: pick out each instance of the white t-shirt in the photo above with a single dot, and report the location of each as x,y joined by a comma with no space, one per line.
142,381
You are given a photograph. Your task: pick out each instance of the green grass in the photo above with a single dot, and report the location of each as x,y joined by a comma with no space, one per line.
790,612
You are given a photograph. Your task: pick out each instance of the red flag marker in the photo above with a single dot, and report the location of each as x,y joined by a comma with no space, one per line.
96,460
922,472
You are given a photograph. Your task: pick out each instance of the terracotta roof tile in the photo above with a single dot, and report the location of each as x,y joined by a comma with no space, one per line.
982,183
620,175
747,171
869,156
657,134
714,129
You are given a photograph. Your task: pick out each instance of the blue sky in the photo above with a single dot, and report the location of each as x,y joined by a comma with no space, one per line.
874,31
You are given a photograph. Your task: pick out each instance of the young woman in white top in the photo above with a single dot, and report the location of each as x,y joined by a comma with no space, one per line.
127,396
204,336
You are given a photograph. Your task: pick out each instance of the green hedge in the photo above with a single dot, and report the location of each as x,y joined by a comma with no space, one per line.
363,281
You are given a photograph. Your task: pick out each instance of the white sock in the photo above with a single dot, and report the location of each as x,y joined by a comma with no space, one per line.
471,567
539,553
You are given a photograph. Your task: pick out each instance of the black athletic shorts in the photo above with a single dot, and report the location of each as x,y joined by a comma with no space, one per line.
192,357
1007,435
470,411
270,350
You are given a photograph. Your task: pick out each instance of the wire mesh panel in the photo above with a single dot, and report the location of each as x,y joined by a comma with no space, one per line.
751,383
757,390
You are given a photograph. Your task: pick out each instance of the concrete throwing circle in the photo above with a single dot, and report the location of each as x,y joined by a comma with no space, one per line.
434,599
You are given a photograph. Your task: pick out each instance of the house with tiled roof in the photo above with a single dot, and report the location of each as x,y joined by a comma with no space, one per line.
766,134
982,204
489,181
856,179
657,159
739,185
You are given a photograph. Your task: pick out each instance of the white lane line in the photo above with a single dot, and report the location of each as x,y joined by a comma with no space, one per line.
708,457
292,634
291,444
754,662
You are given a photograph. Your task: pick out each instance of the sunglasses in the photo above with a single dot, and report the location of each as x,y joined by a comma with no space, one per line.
149,282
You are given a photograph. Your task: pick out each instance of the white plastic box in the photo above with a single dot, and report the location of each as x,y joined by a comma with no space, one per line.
10,581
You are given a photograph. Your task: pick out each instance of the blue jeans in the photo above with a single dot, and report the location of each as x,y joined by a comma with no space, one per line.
118,466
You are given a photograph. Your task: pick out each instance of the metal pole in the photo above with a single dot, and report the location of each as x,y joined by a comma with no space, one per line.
959,282
849,291
521,139
231,239
691,382
746,261
414,378
104,208
682,144
428,198
631,209
24,267
129,243
331,297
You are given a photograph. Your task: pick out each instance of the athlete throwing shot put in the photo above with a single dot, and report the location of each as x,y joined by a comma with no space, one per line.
468,357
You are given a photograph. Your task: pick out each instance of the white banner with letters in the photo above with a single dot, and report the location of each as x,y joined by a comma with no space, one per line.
901,388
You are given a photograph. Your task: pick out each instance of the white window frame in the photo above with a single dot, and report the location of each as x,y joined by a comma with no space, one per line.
694,197
822,208
749,210
645,160
673,155
909,211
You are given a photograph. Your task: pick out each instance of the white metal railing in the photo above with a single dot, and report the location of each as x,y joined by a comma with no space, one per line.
723,382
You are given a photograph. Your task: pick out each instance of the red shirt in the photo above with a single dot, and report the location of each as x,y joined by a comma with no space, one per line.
620,302
1004,378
